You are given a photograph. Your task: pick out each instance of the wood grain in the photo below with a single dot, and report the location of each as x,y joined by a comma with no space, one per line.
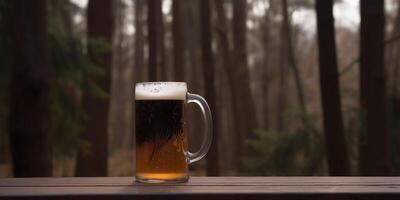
203,188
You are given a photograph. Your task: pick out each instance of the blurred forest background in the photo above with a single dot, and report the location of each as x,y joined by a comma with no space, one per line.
297,87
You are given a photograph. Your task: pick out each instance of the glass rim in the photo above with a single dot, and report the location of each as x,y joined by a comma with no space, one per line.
161,82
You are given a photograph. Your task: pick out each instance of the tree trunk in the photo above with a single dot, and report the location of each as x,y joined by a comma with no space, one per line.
156,42
209,83
335,143
163,67
283,71
266,72
139,66
66,18
222,33
99,26
139,63
193,74
289,61
29,115
393,58
244,104
121,88
374,152
287,33
393,67
116,124
178,40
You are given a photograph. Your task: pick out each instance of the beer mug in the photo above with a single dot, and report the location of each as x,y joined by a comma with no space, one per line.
162,154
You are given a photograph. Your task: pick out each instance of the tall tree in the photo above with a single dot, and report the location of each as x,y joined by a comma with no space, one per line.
283,70
244,104
139,68
288,61
374,158
287,33
139,62
335,143
156,41
393,69
5,57
209,83
178,40
396,33
163,70
121,79
193,74
223,39
99,28
393,58
29,115
265,70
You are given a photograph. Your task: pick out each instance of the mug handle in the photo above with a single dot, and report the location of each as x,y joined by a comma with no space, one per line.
207,120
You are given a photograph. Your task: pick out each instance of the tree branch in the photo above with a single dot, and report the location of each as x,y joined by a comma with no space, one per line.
356,60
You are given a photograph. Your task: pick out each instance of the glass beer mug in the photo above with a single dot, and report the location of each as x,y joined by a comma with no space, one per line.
161,128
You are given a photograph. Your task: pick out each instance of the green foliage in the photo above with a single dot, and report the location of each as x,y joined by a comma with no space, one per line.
68,120
296,153
74,74
67,60
91,71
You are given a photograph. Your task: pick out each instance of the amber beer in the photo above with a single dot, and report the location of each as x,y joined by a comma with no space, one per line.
161,131
161,139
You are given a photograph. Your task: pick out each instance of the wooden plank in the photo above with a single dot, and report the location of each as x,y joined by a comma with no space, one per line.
214,181
204,187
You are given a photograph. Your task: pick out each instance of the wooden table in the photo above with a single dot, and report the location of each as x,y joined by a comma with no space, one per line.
203,188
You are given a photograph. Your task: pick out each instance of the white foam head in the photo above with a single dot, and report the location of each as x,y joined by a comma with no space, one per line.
161,90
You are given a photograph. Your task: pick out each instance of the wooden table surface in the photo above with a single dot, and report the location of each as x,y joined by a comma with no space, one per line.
203,188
